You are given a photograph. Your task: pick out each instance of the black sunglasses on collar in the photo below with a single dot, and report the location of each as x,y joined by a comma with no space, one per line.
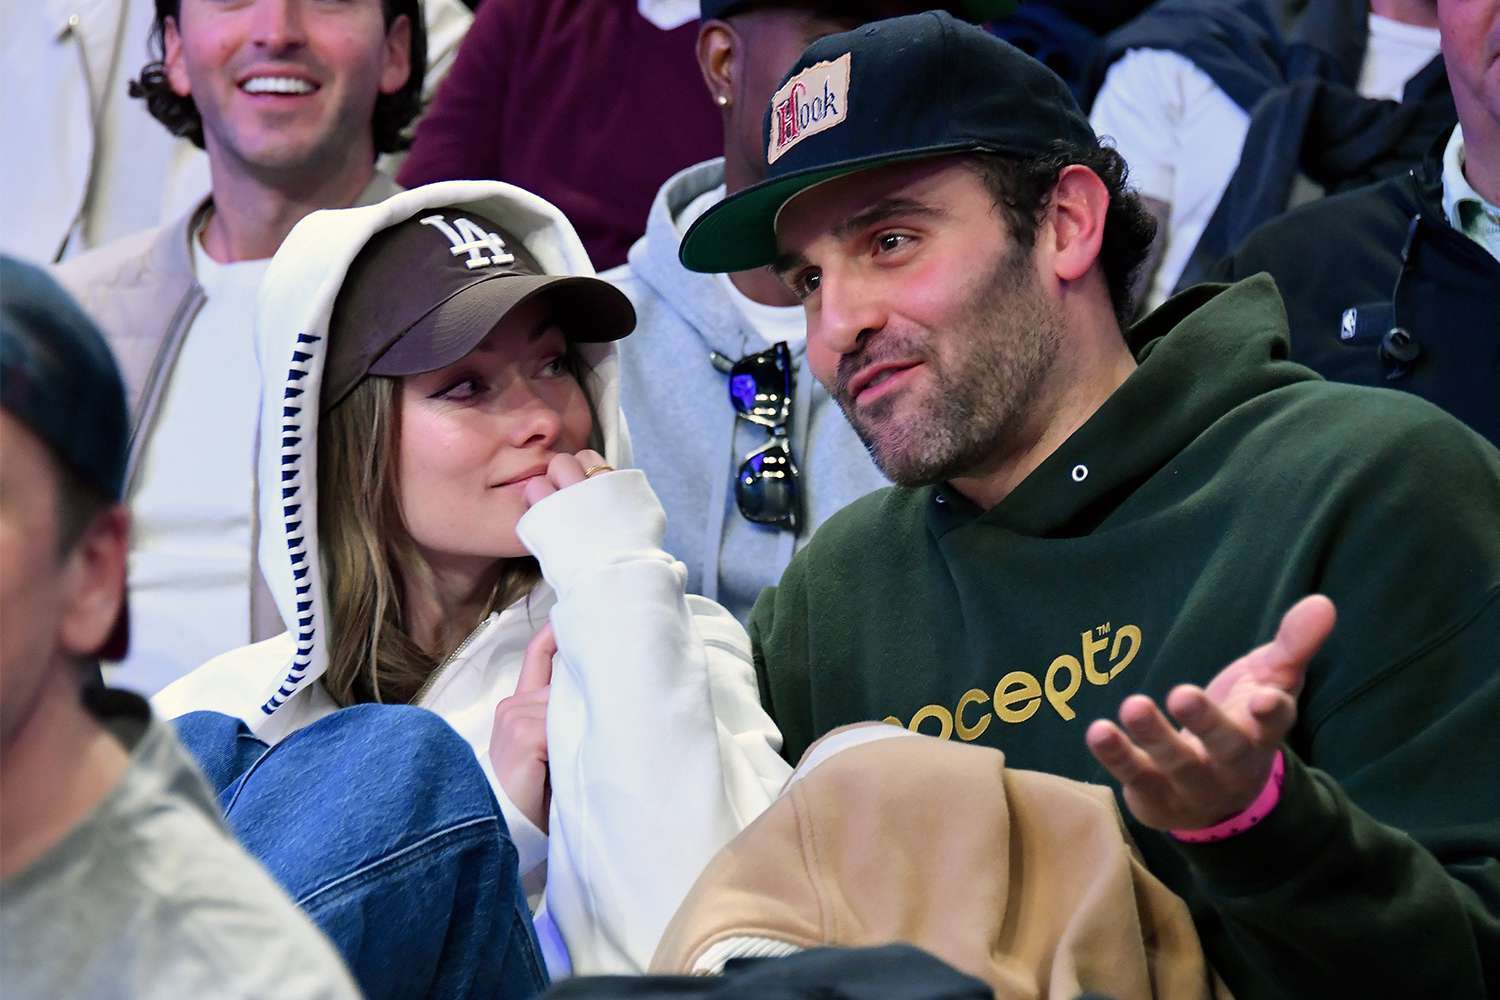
760,390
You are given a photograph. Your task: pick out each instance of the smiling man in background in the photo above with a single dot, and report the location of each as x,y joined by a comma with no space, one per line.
292,100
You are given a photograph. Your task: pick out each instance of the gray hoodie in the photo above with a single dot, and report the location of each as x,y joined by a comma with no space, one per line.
685,433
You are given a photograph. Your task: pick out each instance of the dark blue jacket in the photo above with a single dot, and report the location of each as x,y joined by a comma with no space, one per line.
1293,67
1355,267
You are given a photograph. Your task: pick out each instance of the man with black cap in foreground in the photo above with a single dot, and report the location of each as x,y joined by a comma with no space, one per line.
118,877
1084,514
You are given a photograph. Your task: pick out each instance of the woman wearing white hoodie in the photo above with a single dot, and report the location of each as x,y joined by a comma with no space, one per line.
435,518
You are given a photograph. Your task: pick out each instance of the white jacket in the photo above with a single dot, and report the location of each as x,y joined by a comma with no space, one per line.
658,748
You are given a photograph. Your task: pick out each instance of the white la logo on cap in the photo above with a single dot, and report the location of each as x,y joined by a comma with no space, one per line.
813,101
467,236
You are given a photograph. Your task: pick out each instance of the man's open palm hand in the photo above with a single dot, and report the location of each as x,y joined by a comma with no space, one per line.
1218,762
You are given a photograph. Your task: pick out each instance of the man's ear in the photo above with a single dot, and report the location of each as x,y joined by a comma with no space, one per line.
1080,201
95,571
718,58
397,69
171,47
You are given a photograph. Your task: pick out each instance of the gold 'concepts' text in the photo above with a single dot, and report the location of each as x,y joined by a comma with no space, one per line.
1104,652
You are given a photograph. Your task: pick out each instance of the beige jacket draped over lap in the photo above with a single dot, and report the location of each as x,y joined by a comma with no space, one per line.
1025,880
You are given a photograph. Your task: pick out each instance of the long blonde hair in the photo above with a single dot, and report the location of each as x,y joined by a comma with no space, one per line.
368,555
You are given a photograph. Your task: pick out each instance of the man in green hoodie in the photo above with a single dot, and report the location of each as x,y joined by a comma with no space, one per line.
1091,525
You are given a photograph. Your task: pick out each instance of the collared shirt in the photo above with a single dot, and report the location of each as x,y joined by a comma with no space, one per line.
1466,209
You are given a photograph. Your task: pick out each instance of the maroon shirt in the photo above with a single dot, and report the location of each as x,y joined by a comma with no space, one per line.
586,103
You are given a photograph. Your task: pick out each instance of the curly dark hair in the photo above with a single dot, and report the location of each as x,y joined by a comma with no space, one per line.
393,112
1021,187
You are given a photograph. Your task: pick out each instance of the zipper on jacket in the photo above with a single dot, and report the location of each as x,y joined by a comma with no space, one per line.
447,660
143,422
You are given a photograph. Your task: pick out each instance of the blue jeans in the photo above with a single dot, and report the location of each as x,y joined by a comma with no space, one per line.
380,823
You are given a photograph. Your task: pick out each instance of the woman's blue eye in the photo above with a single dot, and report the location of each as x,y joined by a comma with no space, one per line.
555,367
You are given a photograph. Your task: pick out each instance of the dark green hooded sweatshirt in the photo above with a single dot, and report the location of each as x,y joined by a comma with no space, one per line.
1218,485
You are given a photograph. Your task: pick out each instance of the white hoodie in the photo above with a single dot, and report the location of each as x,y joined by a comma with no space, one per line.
659,750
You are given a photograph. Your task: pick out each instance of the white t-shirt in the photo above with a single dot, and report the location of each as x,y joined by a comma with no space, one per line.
1164,113
193,501
772,323
1182,135
150,897
1395,53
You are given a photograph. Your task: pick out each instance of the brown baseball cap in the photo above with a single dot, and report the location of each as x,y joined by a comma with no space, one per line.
423,293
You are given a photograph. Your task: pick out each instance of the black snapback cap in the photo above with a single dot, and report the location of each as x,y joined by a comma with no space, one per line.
900,89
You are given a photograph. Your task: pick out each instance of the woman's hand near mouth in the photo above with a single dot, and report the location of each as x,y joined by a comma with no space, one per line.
563,471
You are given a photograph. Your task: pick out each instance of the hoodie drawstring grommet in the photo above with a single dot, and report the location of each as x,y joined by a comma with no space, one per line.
1080,472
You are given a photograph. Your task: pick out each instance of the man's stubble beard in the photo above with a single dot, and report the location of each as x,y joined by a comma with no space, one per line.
983,387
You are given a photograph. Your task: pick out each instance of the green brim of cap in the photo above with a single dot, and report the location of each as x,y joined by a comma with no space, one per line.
739,233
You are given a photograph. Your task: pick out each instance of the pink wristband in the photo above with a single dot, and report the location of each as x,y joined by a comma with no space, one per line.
1245,818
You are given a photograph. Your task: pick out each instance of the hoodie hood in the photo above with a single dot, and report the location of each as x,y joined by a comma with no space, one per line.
1206,352
698,299
296,300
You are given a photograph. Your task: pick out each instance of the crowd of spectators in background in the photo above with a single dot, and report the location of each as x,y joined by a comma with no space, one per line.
535,437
